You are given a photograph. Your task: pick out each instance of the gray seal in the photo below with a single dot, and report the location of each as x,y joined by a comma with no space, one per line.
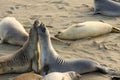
107,7
12,31
51,61
23,59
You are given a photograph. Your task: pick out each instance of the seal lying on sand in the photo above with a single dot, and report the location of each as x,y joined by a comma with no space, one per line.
86,29
51,62
22,60
107,7
11,31
28,76
71,75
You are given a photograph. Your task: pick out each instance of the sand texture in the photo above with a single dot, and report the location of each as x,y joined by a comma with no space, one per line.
59,14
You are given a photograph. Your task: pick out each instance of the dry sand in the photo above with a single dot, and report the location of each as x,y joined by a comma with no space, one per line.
60,14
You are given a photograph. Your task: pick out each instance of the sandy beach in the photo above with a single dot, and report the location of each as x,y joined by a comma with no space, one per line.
58,15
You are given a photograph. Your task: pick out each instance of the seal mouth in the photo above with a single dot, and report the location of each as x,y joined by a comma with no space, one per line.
115,78
78,76
36,23
42,27
57,35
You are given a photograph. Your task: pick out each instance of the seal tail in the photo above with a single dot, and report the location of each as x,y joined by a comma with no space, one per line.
115,30
105,70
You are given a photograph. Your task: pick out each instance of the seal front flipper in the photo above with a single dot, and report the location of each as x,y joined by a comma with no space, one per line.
115,30
1,40
57,39
96,11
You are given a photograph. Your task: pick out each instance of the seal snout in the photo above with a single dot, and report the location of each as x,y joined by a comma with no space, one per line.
78,76
115,78
58,33
74,75
42,27
36,23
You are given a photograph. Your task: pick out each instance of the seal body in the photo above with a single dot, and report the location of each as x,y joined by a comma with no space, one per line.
85,30
71,75
12,31
28,76
21,60
51,62
107,7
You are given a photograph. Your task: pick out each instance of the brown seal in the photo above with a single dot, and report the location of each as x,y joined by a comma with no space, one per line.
28,76
23,59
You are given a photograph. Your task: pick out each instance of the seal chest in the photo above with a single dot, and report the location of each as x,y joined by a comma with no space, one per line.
23,59
52,62
84,30
107,7
12,31
71,75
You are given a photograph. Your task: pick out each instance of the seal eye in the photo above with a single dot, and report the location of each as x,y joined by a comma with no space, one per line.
42,26
59,32
43,29
78,76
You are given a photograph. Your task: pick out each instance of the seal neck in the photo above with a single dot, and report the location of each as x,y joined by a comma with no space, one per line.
46,45
47,52
30,45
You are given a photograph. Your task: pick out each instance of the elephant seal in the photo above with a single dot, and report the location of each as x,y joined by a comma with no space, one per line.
71,75
107,7
22,60
86,29
28,76
51,62
12,31
115,78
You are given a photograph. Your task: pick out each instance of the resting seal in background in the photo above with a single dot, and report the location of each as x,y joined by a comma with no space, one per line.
28,76
70,75
11,31
23,59
86,29
51,62
107,7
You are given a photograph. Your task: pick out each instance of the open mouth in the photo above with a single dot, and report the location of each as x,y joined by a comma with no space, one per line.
42,27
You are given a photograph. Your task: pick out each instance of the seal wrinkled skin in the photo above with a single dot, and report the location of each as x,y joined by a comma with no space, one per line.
51,61
23,59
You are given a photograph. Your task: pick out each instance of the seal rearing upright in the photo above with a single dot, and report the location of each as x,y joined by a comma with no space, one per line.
22,60
52,62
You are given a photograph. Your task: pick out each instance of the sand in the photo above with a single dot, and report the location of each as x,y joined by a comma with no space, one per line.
59,14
